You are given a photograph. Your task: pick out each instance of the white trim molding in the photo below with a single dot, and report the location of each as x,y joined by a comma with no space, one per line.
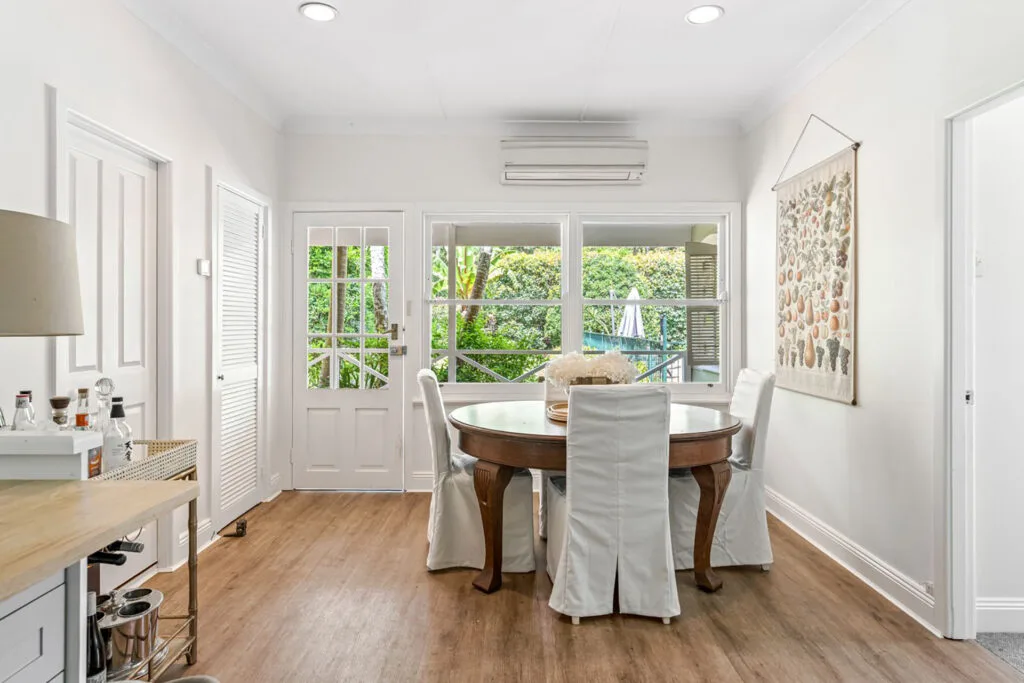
1000,615
893,585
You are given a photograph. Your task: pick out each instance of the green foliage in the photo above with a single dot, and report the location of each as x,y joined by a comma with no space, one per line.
480,334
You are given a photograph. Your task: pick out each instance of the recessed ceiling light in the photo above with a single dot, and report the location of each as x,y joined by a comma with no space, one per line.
318,11
704,14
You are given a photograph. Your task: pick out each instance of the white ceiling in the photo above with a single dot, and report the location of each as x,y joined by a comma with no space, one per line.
538,60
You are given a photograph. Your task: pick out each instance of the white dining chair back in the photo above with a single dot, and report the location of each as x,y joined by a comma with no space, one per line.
752,404
437,422
615,517
454,531
741,536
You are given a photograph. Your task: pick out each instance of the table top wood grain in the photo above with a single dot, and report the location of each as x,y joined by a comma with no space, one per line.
47,525
528,421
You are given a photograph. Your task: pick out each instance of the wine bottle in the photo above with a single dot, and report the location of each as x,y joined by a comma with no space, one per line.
95,655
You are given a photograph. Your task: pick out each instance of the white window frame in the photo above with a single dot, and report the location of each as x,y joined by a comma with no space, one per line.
572,219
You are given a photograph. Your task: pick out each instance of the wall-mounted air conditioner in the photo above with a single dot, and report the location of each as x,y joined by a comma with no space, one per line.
573,161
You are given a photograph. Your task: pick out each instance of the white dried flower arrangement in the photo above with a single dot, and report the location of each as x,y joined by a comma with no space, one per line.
563,370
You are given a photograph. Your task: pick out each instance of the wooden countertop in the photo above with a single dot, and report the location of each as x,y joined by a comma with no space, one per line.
48,525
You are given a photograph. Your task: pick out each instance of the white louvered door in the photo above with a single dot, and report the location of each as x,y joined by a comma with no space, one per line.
237,395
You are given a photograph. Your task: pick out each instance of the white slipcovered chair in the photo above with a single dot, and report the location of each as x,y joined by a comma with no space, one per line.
609,515
454,531
741,537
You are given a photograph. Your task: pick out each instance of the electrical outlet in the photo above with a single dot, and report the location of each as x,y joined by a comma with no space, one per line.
929,588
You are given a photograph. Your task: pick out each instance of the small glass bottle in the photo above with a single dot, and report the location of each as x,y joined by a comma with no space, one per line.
117,439
59,412
31,407
82,411
104,388
23,421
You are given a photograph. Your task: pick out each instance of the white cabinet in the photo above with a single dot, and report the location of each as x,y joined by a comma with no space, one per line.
33,635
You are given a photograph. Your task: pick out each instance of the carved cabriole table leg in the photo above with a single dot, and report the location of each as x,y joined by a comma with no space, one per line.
490,481
713,481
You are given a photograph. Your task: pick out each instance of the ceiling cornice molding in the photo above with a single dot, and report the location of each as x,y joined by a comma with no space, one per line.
209,60
341,125
870,16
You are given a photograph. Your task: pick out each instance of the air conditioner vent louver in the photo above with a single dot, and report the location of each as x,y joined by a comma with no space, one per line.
573,161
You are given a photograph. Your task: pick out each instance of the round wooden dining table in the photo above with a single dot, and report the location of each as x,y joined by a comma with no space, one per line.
505,435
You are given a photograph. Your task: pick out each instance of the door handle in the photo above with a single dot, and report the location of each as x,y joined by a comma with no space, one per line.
220,377
394,331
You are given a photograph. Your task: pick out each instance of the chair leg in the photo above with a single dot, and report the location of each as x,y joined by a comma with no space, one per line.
575,621
666,621
766,568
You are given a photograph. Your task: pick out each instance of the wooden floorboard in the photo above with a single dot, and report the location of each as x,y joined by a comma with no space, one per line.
333,587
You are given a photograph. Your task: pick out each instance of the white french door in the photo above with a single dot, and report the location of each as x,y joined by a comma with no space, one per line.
347,427
112,204
240,224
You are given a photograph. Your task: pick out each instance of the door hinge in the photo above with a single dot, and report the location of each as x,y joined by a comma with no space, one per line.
394,331
969,397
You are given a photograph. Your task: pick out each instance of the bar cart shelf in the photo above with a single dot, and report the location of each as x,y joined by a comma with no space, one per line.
168,460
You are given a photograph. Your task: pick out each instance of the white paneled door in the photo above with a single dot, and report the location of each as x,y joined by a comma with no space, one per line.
112,204
240,223
347,427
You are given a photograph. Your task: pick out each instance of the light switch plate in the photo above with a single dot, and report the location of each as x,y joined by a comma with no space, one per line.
203,267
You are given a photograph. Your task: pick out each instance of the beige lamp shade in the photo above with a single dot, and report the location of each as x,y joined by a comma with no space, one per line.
40,294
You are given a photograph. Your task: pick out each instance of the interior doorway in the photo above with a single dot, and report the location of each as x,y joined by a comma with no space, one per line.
986,237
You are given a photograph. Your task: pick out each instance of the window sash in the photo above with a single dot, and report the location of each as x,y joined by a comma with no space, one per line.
572,302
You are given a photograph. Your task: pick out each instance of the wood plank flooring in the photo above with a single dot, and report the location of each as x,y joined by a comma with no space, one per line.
333,587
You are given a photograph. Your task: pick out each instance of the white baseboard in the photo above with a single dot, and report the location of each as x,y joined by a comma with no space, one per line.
181,563
274,487
419,482
202,528
1000,615
895,586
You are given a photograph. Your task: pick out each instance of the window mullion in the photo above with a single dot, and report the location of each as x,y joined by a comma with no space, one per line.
452,317
572,285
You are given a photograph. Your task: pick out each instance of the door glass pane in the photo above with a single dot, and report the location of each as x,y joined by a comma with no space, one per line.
318,306
376,319
375,260
348,369
347,244
375,373
320,253
318,363
347,296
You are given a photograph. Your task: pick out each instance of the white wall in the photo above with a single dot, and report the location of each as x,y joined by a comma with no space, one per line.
422,168
111,68
461,172
997,179
863,481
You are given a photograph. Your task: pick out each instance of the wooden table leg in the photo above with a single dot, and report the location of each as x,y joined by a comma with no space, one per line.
490,481
713,481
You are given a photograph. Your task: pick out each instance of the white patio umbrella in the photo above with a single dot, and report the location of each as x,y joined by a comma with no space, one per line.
632,324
